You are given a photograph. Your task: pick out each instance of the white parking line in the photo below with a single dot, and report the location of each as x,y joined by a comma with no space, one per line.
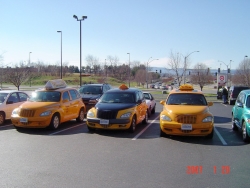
220,137
143,130
66,129
6,125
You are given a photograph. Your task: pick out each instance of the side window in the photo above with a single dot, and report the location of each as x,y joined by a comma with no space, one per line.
78,94
243,98
141,95
73,94
137,97
13,98
66,95
23,97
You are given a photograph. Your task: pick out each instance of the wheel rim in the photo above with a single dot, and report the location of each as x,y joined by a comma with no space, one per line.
133,124
244,131
56,122
81,115
1,119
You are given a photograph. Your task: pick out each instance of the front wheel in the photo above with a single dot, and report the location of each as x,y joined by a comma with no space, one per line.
55,121
245,136
211,135
234,127
132,125
2,118
80,117
145,121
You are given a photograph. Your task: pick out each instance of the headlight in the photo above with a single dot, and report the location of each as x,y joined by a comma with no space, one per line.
90,114
47,113
15,111
127,115
207,119
165,118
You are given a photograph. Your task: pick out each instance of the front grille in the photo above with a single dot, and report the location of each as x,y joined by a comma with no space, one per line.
104,114
186,119
27,113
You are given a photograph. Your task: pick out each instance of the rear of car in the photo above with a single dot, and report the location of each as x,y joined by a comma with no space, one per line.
233,93
90,93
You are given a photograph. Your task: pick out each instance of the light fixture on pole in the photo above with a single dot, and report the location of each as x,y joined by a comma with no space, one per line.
29,57
147,69
129,69
61,52
83,17
185,65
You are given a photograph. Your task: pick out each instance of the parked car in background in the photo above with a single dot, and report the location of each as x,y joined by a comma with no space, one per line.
151,103
49,107
164,87
122,108
92,92
9,100
233,93
240,114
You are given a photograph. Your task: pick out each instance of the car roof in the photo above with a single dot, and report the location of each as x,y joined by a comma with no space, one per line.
94,84
247,91
118,90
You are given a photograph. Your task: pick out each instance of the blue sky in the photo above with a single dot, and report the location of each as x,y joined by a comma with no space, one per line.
219,29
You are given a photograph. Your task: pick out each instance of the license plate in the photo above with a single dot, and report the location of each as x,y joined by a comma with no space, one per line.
104,121
24,120
186,127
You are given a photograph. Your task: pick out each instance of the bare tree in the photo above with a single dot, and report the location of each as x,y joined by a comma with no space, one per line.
201,75
177,65
242,76
140,77
93,63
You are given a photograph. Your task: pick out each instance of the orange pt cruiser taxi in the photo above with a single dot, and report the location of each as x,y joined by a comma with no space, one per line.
186,113
49,107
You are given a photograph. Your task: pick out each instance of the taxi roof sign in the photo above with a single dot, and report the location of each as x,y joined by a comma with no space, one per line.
186,87
123,87
55,84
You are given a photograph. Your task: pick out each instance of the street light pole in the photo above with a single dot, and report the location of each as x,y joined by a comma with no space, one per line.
61,51
129,69
83,17
185,64
29,57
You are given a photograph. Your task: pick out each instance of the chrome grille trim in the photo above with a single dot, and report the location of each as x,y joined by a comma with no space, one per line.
189,119
27,113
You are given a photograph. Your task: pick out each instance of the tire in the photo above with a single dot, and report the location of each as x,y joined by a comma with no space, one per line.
162,134
234,127
145,121
2,118
231,102
153,110
55,121
81,116
132,125
90,129
211,135
245,136
149,111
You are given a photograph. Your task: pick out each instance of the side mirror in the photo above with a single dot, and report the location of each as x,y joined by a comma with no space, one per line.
162,102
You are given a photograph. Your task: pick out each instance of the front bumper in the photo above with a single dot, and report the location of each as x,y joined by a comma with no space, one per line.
113,123
33,122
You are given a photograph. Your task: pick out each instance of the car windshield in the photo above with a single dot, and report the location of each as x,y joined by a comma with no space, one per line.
146,96
89,89
3,97
45,96
186,99
117,98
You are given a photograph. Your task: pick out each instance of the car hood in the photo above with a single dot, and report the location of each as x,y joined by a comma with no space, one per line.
90,96
114,106
36,105
186,109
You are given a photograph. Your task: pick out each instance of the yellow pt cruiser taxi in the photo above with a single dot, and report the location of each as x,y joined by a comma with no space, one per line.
49,107
186,113
122,108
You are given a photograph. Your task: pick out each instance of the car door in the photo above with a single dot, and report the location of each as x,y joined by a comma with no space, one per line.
66,106
12,102
240,109
74,104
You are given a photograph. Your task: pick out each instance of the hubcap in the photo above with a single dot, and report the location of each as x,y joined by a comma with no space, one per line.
56,122
244,131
